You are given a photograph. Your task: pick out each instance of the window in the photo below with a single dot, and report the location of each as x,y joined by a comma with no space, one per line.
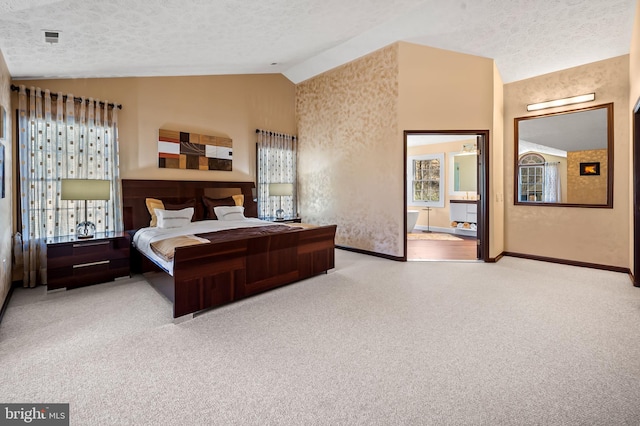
531,178
425,174
276,156
62,138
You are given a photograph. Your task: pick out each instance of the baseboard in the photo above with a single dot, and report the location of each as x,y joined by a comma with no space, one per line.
372,253
6,302
495,259
569,262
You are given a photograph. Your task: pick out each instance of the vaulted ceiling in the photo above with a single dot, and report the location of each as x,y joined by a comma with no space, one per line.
301,38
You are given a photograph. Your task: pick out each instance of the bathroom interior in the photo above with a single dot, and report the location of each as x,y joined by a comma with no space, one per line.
442,196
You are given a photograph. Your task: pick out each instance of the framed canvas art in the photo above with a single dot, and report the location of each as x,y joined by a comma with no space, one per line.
184,150
590,169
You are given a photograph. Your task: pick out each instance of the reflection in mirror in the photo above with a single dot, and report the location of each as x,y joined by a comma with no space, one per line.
565,159
463,171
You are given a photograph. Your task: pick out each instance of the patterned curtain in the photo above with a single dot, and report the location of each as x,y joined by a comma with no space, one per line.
277,156
552,187
59,140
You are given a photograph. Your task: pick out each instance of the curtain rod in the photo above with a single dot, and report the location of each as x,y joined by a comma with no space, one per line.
274,133
64,97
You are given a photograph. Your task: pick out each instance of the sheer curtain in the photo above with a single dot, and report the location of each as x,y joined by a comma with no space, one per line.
276,163
60,140
552,187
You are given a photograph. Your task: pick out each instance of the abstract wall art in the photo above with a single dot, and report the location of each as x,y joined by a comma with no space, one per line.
183,150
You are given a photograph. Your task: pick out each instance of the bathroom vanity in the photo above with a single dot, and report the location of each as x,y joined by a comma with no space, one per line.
464,211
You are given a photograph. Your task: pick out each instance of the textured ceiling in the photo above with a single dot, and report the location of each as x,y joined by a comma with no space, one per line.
304,37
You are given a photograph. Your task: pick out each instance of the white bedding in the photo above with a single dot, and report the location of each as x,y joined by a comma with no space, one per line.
145,236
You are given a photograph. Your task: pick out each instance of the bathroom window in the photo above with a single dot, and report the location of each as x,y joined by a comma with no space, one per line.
425,180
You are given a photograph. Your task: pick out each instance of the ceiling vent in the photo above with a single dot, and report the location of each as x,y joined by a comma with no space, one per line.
51,36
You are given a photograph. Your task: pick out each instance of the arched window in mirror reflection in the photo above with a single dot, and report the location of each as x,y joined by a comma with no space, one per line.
555,152
531,172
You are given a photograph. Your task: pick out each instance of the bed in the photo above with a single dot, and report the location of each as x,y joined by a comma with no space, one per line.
234,263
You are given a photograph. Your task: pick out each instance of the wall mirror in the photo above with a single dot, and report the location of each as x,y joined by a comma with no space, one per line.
565,159
463,173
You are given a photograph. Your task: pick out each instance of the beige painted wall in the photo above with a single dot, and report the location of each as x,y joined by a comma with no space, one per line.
599,236
231,106
496,167
350,169
443,90
6,203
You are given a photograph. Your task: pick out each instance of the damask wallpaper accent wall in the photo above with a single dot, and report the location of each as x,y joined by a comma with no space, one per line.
350,162
591,235
587,189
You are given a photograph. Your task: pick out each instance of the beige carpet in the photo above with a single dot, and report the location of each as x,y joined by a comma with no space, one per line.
432,236
373,342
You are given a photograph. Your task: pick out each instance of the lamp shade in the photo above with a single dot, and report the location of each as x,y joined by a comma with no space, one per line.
85,189
280,189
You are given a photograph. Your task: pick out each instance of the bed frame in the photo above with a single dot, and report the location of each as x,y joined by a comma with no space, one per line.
209,275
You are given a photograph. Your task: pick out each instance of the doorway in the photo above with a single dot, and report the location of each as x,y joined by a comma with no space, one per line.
446,208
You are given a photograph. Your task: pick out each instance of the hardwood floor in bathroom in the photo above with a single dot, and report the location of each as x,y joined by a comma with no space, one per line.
464,249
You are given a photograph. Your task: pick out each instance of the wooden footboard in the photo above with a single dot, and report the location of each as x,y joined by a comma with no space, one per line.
210,275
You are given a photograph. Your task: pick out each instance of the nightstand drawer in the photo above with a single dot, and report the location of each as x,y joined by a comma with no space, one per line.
87,251
78,270
77,263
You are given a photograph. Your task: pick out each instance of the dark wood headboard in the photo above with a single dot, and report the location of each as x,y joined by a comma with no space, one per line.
134,193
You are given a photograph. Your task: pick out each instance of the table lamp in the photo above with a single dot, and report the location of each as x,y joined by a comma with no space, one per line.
280,190
85,189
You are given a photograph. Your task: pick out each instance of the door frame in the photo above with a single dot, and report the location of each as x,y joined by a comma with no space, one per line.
636,193
483,186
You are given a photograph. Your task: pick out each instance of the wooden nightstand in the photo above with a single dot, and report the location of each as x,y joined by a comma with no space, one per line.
72,262
284,220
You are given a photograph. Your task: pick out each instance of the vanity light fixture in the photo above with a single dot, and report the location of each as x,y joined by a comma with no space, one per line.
469,149
562,102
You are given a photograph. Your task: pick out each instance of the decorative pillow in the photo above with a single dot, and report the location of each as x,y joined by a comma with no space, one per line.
168,205
174,218
211,203
153,204
239,199
230,213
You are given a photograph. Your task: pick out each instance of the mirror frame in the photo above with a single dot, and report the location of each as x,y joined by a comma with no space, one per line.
609,203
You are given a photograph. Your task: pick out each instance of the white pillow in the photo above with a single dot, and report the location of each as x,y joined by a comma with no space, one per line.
229,212
173,218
